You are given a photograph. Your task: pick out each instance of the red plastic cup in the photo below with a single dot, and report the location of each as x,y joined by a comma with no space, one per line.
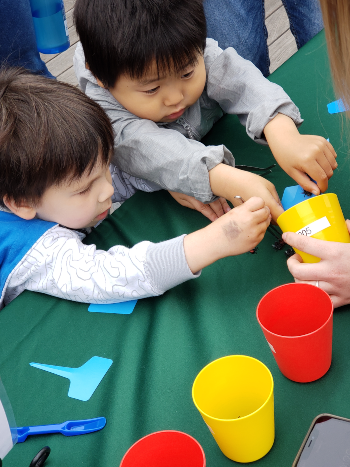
165,449
297,321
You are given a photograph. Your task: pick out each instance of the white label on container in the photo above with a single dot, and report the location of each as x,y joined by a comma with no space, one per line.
65,27
271,347
314,227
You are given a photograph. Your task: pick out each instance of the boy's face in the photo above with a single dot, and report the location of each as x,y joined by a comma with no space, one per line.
81,203
161,98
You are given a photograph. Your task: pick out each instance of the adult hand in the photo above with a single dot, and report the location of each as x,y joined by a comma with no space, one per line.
212,210
332,273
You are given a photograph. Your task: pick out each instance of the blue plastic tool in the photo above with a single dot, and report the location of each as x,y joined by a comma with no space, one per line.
294,195
336,107
122,308
70,428
83,380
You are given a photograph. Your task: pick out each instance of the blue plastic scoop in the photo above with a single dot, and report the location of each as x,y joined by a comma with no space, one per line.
70,428
83,380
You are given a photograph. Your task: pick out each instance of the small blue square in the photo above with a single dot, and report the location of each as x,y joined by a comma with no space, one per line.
122,308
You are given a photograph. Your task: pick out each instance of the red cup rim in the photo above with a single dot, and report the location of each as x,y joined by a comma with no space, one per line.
302,335
164,431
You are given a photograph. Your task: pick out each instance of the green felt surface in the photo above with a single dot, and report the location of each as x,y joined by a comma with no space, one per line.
158,350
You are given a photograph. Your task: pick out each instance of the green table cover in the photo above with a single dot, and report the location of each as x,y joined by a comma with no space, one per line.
158,350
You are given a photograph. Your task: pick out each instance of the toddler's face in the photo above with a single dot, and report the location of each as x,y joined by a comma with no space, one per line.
161,98
81,203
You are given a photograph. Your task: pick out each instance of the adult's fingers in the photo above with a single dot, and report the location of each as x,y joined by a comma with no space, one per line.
313,246
337,301
306,272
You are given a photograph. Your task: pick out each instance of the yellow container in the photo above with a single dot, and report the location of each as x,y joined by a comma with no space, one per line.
319,217
234,395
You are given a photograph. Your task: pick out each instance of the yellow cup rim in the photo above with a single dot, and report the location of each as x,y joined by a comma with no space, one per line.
306,201
233,419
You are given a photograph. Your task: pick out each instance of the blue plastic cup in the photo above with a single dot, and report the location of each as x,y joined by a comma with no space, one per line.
50,26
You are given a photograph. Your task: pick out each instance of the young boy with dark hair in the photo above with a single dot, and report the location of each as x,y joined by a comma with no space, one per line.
56,179
164,85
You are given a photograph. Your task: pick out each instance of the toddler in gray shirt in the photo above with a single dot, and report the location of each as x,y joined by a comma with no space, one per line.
164,85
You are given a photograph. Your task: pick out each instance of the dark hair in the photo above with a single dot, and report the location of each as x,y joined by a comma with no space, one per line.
125,36
50,132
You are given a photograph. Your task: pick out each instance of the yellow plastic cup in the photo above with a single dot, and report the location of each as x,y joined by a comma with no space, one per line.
319,217
234,395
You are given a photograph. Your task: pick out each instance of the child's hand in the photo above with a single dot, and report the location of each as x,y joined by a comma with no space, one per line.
229,182
212,210
238,231
299,155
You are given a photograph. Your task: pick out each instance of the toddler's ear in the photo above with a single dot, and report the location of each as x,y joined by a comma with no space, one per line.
98,81
23,210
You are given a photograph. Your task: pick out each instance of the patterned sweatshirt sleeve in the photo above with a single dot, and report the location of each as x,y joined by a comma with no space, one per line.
59,264
240,88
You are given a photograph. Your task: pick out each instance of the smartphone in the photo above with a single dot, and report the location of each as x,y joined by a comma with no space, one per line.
326,444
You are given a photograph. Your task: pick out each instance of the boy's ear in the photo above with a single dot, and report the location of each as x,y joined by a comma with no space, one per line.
98,81
23,210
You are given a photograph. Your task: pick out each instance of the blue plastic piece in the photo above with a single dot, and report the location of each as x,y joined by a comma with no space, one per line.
294,195
122,308
83,380
50,26
70,428
336,107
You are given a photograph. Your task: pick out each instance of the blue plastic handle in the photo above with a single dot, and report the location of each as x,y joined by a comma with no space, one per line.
70,428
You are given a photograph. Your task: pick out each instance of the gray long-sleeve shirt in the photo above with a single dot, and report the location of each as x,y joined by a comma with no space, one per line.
171,155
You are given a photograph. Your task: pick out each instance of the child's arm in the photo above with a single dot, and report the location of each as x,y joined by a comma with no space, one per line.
241,89
299,155
126,185
194,172
267,112
59,264
229,182
235,233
